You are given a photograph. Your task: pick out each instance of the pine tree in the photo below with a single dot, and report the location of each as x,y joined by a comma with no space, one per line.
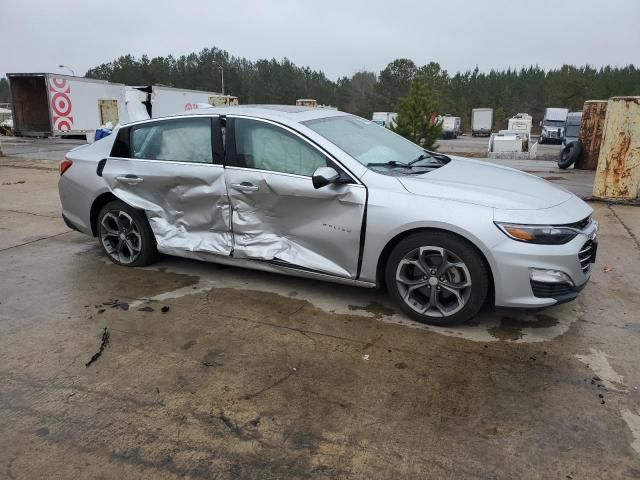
416,113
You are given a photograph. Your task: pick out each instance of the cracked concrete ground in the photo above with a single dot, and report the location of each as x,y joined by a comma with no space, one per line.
254,375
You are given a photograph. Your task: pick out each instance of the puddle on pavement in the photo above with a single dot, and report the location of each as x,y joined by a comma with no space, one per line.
375,308
491,325
511,328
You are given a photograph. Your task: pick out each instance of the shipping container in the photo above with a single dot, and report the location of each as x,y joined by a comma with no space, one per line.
618,172
590,135
47,104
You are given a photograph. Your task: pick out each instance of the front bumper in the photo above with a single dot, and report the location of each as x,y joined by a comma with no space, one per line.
514,286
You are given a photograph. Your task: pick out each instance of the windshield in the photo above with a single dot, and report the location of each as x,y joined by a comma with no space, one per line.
554,123
364,140
572,130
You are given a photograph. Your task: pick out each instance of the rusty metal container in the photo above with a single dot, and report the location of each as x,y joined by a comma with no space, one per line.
590,135
618,172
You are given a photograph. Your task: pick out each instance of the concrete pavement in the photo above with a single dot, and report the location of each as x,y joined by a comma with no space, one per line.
254,375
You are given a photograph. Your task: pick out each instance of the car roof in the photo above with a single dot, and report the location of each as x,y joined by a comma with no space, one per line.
288,113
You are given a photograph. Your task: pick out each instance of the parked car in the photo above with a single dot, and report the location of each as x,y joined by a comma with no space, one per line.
323,194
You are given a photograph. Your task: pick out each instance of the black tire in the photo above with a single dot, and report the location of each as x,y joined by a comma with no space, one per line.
456,248
541,140
113,222
569,154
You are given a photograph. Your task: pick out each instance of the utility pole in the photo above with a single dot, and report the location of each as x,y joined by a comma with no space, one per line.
221,74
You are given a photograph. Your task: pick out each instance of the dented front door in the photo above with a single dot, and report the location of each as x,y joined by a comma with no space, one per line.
278,215
172,174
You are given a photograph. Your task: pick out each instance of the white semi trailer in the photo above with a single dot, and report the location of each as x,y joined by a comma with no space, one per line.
47,104
168,100
50,105
386,119
481,121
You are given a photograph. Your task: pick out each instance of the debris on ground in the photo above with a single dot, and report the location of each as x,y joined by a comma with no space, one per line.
365,356
13,183
213,358
102,310
146,309
165,309
104,341
607,269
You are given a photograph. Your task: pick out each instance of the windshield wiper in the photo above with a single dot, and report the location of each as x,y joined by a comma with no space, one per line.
428,154
391,163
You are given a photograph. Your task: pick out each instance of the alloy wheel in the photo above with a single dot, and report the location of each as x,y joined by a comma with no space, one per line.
433,281
120,236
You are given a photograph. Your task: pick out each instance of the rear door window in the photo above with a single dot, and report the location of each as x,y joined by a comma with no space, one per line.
176,140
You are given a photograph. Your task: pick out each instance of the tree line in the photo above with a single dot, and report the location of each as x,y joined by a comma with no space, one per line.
528,89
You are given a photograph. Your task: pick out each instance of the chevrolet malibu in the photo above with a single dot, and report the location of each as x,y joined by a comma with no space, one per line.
323,194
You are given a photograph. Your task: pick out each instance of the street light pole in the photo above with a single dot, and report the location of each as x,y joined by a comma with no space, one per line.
68,68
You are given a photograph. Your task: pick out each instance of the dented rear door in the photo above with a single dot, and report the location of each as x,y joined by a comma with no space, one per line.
172,169
277,214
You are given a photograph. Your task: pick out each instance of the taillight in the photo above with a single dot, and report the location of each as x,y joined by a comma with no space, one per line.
64,166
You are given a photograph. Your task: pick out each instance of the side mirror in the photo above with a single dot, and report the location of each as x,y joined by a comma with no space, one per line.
323,176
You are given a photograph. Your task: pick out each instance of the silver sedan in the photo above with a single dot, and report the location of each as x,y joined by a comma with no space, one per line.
323,194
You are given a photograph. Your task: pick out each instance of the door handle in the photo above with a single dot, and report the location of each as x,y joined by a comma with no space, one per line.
130,179
244,187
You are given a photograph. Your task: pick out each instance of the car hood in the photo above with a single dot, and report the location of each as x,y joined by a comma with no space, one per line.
487,184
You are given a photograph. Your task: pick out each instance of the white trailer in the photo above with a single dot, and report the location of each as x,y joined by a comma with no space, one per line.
481,121
47,104
169,101
385,119
451,126
521,122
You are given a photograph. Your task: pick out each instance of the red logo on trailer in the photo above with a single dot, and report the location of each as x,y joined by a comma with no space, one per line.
190,106
60,89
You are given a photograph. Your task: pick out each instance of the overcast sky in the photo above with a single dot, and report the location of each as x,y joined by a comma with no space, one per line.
338,37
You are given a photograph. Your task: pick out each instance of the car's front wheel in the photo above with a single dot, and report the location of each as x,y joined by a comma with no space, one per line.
125,235
437,278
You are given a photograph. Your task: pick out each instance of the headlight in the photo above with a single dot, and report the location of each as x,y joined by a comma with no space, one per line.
539,234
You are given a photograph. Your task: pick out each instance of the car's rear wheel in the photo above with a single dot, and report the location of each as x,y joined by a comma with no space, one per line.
125,235
437,278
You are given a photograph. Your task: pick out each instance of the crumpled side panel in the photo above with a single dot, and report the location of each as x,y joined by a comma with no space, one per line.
186,204
288,220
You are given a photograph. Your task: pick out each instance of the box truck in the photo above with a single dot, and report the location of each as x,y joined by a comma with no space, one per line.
481,121
553,125
47,104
